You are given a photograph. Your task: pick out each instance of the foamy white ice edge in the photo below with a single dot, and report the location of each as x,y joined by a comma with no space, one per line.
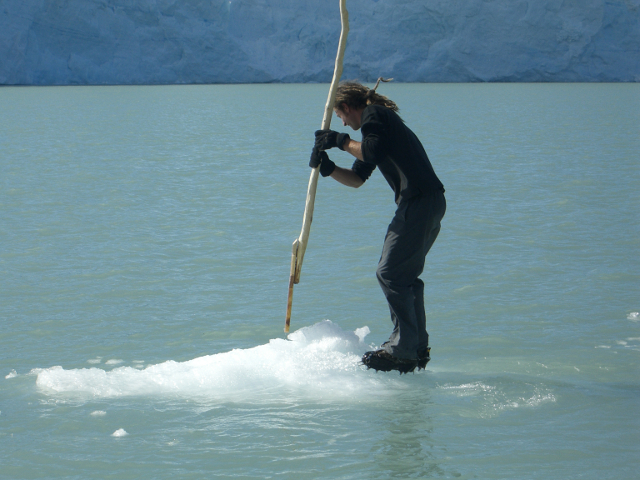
318,361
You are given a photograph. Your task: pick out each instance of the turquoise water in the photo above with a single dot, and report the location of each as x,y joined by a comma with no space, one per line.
146,239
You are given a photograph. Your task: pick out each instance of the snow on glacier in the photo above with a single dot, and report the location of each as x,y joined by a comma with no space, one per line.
47,42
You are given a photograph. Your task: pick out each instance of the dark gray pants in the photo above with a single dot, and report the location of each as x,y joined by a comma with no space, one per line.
411,234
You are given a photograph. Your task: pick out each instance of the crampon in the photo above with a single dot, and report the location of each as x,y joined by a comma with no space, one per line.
380,360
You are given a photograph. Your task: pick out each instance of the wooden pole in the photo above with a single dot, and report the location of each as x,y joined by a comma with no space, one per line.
300,243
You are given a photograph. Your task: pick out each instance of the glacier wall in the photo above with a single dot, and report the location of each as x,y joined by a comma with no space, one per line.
59,42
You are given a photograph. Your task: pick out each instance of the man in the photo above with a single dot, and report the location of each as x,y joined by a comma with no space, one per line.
387,143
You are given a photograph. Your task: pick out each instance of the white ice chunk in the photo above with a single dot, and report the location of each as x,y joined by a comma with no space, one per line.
320,361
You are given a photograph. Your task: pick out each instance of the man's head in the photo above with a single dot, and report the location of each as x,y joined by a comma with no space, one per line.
353,97
350,116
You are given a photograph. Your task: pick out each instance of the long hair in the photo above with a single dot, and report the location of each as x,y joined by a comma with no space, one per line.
355,95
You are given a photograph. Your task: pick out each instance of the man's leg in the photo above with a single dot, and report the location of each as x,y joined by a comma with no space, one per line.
400,265
418,290
409,237
421,319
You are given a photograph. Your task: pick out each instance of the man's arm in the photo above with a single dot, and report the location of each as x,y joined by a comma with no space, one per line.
347,176
353,147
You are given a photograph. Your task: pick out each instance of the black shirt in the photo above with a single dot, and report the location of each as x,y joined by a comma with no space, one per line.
387,143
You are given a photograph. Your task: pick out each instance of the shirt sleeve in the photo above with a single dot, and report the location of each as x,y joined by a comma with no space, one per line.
363,169
374,137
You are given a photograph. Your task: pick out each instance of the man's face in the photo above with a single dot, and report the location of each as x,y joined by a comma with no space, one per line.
349,116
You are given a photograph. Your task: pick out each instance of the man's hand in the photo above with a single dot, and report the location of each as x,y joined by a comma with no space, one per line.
326,139
320,157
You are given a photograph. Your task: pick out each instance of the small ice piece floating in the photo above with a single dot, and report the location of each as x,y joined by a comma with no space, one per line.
634,316
121,432
318,362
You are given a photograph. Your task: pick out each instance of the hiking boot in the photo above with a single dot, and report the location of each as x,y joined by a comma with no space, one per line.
381,360
423,357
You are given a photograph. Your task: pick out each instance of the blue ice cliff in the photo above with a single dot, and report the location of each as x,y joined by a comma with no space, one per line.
53,42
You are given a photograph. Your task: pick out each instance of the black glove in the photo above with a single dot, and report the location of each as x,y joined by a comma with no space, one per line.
326,139
319,157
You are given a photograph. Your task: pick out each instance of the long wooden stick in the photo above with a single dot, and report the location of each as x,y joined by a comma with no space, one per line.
300,243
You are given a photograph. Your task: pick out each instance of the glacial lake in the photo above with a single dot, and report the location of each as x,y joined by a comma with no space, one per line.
146,236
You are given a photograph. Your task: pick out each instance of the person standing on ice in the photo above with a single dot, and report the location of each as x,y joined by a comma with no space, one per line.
387,143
